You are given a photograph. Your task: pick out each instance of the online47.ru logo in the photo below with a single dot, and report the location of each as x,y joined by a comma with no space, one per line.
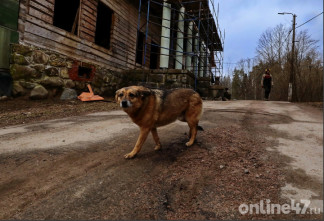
266,207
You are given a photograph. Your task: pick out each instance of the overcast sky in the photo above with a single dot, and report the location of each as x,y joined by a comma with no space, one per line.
245,20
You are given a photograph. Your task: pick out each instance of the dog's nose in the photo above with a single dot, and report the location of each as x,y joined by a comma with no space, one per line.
124,104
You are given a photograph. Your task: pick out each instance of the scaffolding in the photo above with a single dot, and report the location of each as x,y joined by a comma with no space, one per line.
189,33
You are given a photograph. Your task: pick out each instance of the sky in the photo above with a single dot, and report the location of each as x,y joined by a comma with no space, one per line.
244,21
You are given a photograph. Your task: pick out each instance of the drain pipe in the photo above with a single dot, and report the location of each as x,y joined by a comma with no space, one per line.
180,31
165,35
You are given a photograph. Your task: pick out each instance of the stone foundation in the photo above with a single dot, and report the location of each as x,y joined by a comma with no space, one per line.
159,78
39,73
32,67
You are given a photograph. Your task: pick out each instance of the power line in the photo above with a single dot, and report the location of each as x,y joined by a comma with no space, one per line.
231,63
302,25
309,20
288,35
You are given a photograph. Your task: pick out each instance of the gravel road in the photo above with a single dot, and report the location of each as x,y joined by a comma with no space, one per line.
249,151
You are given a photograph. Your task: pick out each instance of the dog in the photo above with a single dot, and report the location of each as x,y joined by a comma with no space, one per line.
152,108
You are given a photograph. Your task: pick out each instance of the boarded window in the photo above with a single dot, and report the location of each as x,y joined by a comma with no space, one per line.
66,15
104,25
140,47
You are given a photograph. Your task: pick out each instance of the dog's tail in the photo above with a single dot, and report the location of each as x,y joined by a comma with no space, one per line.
200,128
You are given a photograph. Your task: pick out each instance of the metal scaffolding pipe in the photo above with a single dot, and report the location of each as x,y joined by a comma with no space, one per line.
179,48
146,32
197,47
201,60
189,46
208,72
165,35
196,56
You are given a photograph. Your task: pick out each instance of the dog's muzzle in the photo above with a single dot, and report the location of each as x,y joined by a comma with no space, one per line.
125,104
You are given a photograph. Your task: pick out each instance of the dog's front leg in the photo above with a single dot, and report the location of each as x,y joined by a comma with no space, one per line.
141,139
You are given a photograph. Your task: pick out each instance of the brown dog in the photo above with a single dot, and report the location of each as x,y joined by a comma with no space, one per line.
150,109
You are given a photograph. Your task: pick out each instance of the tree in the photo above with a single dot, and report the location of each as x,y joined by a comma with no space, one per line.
309,82
273,45
226,82
273,51
237,84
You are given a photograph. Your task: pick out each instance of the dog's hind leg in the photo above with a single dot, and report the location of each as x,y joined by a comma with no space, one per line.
141,139
156,139
192,116
192,133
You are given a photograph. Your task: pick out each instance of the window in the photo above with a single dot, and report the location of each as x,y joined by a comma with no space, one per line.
103,26
9,11
140,47
82,71
154,55
66,15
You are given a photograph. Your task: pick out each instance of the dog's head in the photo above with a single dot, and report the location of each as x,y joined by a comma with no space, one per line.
132,97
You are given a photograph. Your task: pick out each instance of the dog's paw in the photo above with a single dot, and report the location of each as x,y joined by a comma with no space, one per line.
129,155
188,144
157,147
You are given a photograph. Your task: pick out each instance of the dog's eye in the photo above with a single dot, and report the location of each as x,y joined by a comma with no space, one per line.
131,95
120,95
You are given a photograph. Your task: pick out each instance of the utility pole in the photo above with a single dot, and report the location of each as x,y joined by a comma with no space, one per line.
292,92
292,96
255,80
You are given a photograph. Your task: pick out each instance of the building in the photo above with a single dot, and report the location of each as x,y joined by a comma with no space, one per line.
112,43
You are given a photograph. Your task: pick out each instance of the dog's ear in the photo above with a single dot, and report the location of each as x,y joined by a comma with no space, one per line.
144,92
117,94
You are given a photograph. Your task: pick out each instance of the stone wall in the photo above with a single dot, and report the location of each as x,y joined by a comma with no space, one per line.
39,73
203,85
159,78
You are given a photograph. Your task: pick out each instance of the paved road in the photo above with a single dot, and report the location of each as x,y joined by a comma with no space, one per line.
38,158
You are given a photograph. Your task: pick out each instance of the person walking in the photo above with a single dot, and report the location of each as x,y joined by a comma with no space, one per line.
267,83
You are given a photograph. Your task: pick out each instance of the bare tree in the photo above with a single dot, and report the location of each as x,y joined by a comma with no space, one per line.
309,80
274,52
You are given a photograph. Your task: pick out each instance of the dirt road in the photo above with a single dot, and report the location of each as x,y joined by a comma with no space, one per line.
249,151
